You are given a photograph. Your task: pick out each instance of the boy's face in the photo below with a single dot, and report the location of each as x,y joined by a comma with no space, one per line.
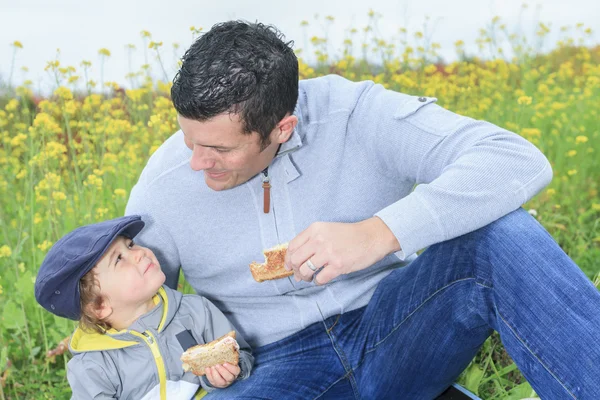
129,275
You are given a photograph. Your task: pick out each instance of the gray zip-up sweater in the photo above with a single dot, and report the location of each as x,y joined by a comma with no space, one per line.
358,151
142,362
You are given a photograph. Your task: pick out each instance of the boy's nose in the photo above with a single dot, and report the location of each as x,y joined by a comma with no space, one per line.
138,254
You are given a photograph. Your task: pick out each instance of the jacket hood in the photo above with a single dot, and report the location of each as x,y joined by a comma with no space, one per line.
167,302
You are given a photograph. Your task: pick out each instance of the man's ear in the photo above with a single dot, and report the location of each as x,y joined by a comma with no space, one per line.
285,128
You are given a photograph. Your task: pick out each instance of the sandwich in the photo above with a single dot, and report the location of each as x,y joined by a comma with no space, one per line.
273,268
222,350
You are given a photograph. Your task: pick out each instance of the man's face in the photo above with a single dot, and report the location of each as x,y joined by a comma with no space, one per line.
227,156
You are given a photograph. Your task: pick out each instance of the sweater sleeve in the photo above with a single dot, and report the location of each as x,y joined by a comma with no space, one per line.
467,173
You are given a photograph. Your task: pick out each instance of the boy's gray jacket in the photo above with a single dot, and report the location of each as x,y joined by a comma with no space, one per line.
142,362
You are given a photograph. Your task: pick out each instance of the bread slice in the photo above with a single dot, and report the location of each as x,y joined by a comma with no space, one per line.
273,268
219,351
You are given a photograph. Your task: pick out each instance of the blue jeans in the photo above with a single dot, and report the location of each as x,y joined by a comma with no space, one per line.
425,322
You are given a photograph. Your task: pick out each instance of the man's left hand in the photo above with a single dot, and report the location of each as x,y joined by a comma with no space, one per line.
339,248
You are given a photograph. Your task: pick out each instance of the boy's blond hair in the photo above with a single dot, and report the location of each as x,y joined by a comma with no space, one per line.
91,300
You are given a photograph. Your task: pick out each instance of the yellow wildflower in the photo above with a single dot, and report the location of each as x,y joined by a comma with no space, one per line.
524,100
58,196
21,174
5,251
430,69
93,180
581,139
12,105
101,212
64,93
45,245
70,107
533,132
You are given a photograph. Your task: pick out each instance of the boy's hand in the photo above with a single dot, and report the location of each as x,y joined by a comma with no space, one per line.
221,376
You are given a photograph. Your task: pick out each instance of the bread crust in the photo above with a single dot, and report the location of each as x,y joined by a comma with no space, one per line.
273,267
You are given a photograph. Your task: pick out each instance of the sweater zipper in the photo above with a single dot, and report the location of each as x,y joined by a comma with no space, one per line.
266,191
267,184
160,365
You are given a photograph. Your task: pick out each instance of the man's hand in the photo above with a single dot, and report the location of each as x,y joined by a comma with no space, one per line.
221,376
339,248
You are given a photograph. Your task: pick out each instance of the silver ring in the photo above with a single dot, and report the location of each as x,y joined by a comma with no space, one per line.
311,265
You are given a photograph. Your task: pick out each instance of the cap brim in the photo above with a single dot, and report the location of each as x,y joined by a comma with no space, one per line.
131,229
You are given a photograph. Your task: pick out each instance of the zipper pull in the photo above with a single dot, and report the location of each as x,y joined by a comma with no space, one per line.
148,337
266,191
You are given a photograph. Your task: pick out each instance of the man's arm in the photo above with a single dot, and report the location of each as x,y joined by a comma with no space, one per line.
469,173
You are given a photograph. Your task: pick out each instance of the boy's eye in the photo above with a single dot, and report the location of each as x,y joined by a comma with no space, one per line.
131,244
118,259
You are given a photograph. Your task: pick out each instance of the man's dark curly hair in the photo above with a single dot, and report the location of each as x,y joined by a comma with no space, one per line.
241,68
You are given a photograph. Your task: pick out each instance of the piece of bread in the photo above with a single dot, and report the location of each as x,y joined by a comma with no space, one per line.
219,351
273,268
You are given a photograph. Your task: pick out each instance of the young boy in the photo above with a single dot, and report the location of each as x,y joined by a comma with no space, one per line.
132,329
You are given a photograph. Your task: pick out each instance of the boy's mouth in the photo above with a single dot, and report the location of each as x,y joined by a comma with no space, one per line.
148,267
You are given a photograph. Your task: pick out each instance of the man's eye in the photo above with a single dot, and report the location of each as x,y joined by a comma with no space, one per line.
221,150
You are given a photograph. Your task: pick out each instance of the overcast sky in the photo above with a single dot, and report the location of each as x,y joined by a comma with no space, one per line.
80,28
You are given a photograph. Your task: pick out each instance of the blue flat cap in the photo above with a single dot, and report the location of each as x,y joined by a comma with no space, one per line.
73,256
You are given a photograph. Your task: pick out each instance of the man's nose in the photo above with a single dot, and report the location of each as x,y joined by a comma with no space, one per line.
201,159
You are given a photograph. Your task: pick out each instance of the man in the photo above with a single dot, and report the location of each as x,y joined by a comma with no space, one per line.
329,166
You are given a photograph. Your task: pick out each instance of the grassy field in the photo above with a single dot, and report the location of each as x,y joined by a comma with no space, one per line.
71,159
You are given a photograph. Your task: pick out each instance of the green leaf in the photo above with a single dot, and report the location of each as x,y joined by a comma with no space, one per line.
3,358
473,377
35,351
519,392
12,316
24,285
